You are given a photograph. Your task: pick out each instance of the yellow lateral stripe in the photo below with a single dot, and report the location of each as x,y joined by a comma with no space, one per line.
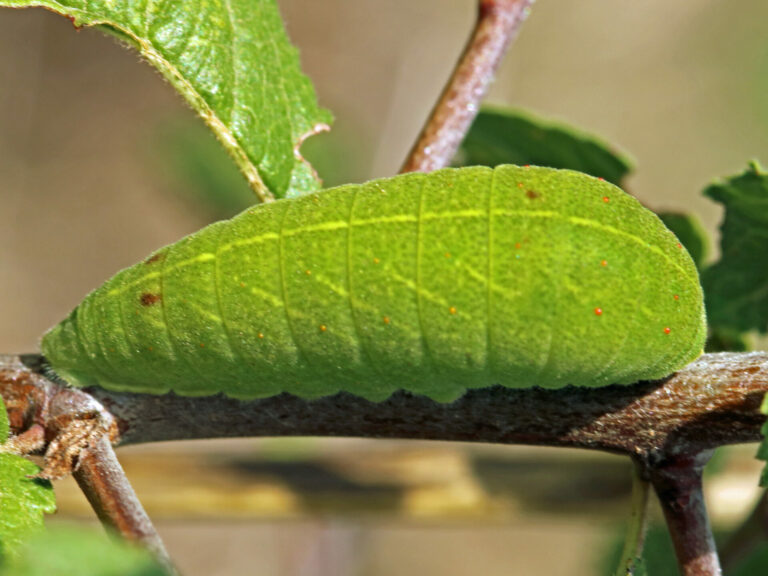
405,218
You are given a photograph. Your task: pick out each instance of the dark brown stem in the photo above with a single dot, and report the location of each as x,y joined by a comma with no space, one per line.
678,485
752,532
102,480
712,402
498,22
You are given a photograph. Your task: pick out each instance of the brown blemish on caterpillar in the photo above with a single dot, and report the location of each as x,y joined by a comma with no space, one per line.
150,299
159,257
532,194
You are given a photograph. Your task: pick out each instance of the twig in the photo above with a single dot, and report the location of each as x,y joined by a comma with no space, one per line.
102,480
498,22
638,525
678,486
712,402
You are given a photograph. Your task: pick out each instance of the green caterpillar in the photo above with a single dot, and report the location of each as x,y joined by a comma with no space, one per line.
433,283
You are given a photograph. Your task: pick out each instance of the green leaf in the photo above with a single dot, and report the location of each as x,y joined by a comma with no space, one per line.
736,286
23,500
233,63
690,232
76,551
517,137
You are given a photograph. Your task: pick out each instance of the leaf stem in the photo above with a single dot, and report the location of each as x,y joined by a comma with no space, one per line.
677,482
498,22
638,524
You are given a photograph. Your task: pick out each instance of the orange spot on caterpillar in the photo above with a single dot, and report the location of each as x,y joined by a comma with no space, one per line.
677,297
261,335
150,348
447,254
323,327
376,260
452,309
606,199
202,345
520,185
531,194
386,319
242,284
598,311
601,178
667,330
604,263
518,245
679,245
308,272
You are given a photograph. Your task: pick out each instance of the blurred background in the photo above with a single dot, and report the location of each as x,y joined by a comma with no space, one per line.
101,163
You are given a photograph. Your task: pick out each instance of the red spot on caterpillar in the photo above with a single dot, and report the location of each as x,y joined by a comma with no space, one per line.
159,257
601,178
598,311
677,297
679,245
667,330
532,194
452,309
149,299
604,263
606,199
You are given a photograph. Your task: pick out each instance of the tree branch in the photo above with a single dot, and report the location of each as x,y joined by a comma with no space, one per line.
498,22
712,402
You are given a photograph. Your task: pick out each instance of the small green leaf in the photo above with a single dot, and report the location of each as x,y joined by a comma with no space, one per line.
233,63
736,286
23,501
76,551
690,232
517,137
